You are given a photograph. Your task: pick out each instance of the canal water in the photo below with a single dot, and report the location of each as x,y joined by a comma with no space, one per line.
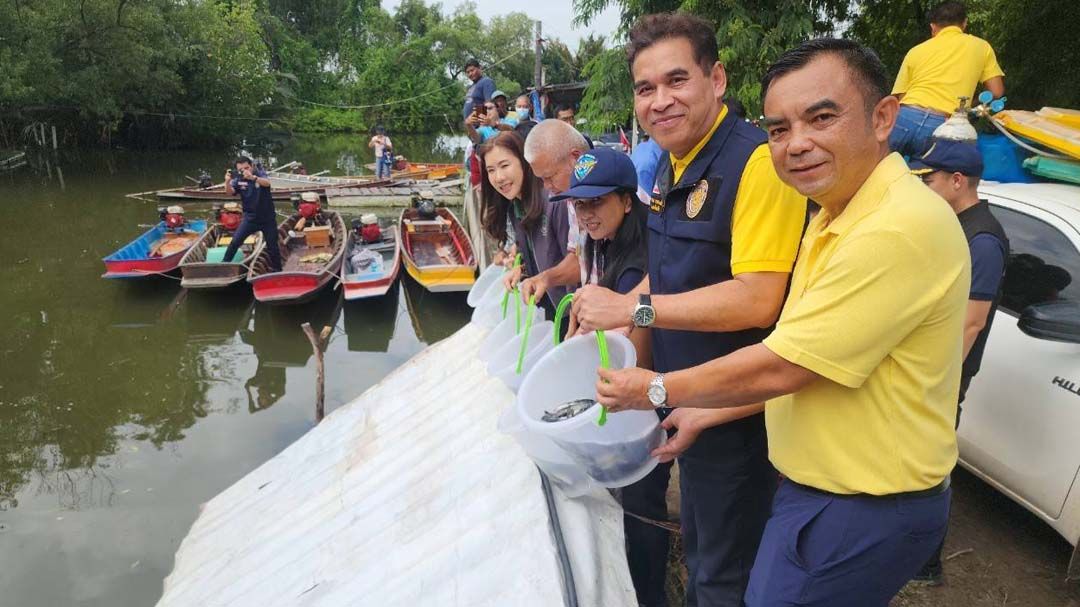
126,404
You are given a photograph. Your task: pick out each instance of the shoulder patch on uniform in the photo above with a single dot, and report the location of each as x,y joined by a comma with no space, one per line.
656,205
696,200
584,166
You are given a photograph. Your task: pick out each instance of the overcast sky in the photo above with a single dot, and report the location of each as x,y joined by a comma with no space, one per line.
554,15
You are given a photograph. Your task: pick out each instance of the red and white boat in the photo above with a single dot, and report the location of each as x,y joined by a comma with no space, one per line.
370,269
307,266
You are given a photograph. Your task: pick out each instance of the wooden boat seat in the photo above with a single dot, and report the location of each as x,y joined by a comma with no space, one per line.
427,225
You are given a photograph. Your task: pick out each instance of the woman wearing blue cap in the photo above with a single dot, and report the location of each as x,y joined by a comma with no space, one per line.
515,208
603,188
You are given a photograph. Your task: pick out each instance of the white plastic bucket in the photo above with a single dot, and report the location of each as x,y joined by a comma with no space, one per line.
489,312
503,364
508,329
491,275
616,454
547,456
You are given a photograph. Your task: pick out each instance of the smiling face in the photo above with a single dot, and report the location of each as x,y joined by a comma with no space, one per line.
504,172
674,98
823,140
601,217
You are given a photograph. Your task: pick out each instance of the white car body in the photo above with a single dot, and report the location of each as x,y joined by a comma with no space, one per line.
1020,426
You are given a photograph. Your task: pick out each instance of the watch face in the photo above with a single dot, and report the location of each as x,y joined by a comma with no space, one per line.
657,395
644,316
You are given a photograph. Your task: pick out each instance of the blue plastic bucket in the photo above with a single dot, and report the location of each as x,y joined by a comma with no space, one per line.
1003,160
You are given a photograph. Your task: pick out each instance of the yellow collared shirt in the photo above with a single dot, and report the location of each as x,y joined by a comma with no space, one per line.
876,308
936,73
768,216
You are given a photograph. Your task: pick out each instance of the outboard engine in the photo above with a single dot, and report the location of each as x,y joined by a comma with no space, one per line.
229,215
308,205
370,231
424,203
205,180
173,216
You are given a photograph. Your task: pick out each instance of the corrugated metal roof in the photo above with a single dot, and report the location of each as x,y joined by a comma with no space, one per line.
406,496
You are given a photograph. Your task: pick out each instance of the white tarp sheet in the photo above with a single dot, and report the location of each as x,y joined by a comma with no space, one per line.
406,496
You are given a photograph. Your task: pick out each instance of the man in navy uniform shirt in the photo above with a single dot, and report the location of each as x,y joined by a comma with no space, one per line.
253,187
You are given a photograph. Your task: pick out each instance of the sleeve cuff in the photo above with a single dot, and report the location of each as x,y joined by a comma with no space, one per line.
744,267
827,369
982,296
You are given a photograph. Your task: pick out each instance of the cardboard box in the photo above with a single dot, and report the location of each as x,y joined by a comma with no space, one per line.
317,236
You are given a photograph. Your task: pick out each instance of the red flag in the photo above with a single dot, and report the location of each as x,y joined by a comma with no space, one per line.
624,141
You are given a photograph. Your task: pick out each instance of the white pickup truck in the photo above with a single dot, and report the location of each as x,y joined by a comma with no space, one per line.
1020,428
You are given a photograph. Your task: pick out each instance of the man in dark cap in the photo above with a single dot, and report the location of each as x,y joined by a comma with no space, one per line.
952,170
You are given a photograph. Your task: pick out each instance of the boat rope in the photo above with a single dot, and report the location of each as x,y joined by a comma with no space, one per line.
665,525
1017,141
165,274
407,99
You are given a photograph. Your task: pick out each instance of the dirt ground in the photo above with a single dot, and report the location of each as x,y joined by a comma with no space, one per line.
998,555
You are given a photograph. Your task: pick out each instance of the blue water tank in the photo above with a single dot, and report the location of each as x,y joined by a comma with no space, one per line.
1003,160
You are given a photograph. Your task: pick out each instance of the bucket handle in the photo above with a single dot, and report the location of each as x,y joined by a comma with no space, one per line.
601,344
525,339
506,295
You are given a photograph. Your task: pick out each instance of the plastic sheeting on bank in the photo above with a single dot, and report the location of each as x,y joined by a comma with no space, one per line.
406,496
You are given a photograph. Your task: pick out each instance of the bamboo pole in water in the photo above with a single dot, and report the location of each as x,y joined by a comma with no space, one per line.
318,346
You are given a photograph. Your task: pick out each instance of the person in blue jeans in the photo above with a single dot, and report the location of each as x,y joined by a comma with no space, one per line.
384,153
253,187
914,129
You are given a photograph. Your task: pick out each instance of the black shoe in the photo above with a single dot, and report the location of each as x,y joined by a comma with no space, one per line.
929,577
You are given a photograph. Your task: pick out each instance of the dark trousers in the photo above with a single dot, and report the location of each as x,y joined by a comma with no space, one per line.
647,545
270,237
933,567
827,550
727,485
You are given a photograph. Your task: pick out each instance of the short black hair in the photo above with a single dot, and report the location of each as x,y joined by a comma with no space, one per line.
243,160
862,62
651,29
562,107
948,13
472,63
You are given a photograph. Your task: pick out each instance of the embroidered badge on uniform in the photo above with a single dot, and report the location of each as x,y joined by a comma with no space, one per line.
584,166
656,205
696,200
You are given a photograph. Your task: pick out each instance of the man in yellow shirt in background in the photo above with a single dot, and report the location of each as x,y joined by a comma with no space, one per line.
936,73
862,371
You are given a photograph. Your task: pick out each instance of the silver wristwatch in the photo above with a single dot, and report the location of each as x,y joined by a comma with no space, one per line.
657,391
644,314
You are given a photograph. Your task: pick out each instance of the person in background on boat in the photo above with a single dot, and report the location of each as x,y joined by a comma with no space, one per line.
253,187
936,73
384,153
523,109
863,369
952,169
515,207
552,151
481,90
506,121
724,231
481,127
603,191
646,157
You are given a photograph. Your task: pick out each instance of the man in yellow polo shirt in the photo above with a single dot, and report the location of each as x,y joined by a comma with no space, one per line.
862,370
723,235
936,73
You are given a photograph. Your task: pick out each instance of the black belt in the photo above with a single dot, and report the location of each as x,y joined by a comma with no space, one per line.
937,489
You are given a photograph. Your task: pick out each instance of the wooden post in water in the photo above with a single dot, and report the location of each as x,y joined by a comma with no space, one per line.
318,346
54,137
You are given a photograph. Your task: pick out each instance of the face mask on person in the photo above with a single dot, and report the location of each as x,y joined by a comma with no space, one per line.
523,113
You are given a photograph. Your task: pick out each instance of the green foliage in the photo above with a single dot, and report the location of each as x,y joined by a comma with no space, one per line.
609,98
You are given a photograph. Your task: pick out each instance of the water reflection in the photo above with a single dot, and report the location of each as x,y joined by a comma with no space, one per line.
126,404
